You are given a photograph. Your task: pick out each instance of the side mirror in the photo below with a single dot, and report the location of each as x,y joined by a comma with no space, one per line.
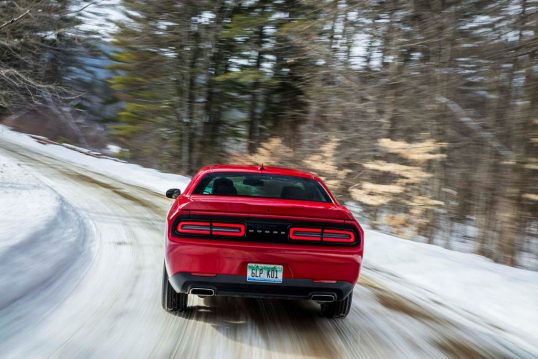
173,193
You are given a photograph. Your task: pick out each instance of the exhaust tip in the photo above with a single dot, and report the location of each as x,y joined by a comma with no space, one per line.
202,292
323,298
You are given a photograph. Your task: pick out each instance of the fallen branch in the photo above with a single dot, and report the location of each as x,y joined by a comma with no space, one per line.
85,7
15,19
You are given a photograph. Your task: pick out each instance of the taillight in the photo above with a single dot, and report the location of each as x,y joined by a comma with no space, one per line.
338,235
189,227
305,234
228,229
325,235
211,228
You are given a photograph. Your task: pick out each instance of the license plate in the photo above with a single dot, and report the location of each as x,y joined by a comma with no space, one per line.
270,273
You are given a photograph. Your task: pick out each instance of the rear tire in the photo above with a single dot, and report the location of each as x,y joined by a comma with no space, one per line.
172,301
337,309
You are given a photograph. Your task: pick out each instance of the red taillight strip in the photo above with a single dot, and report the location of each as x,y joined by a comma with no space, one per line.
305,234
326,235
211,228
228,229
336,235
194,227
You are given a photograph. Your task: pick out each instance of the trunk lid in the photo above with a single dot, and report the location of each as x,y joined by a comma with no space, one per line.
253,207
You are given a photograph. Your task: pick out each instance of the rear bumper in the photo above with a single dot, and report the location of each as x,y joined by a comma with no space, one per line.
230,259
235,285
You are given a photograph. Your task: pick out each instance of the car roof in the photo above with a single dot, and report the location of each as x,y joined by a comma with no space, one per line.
258,169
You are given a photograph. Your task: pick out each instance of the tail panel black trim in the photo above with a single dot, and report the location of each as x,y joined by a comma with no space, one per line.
267,230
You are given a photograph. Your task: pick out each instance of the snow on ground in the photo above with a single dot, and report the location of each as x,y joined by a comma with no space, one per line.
32,256
125,172
501,296
19,191
495,294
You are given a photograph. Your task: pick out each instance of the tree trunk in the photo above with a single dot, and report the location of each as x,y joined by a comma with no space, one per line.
254,125
212,113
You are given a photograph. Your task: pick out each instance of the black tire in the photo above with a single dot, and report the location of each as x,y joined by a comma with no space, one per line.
337,309
171,300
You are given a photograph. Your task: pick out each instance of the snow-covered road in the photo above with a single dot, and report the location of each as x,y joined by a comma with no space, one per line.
105,300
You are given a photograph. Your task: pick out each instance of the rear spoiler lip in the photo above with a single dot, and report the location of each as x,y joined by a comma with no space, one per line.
269,215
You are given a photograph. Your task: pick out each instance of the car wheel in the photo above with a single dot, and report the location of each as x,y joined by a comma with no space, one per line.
337,309
171,300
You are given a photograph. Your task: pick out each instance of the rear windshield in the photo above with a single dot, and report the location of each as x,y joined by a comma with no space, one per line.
262,185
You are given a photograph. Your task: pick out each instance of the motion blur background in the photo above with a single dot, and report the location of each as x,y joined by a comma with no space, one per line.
423,114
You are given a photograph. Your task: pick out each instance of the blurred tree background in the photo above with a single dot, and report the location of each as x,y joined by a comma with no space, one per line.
36,43
51,71
423,113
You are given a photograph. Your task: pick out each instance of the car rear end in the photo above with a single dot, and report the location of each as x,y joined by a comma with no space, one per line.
263,247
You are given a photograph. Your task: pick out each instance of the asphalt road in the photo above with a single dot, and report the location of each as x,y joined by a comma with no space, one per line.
106,302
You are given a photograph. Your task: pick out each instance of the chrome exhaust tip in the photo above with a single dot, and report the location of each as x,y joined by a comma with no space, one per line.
323,298
202,292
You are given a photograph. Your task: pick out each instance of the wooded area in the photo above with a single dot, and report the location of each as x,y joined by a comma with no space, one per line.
36,47
423,112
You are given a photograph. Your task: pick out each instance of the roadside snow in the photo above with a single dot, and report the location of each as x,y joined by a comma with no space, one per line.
19,191
498,295
39,233
477,287
124,172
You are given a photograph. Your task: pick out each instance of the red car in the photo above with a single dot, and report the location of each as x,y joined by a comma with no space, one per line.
262,232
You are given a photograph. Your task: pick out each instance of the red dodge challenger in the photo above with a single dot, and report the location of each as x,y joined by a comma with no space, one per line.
262,232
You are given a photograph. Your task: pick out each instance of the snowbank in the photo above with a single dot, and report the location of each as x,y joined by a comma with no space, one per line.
498,295
39,233
124,172
18,191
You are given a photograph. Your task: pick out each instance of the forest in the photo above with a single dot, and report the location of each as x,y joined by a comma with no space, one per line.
421,114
